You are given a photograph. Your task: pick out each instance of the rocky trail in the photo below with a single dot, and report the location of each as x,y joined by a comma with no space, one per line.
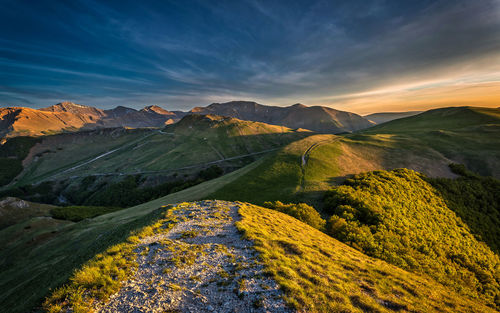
201,265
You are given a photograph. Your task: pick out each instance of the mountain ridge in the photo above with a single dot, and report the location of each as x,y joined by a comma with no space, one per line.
315,118
69,116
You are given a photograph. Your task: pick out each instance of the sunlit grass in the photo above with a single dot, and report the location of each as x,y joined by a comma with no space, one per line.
319,274
103,275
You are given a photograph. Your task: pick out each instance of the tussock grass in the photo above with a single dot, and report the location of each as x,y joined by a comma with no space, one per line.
320,274
103,275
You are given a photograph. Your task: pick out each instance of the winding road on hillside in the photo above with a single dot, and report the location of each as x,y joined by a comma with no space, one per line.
305,158
183,168
152,172
101,156
305,155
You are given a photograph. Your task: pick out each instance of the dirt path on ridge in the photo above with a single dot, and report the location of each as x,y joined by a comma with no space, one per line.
200,265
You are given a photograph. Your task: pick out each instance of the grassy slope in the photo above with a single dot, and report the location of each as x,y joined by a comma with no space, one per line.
468,135
446,119
278,177
42,252
320,274
60,152
192,141
283,177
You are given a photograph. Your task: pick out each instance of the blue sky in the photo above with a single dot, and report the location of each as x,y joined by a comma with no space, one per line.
354,55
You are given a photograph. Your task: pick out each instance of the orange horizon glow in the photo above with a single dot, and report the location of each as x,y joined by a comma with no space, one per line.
480,95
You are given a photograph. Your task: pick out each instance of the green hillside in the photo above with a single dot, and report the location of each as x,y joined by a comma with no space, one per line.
122,168
454,118
467,135
194,141
399,217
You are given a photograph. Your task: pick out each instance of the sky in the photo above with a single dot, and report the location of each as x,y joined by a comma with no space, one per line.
359,56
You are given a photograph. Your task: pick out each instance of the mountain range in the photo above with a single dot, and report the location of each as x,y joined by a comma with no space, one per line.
315,118
68,116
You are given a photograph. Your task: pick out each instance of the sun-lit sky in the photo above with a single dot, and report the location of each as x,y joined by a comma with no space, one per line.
359,56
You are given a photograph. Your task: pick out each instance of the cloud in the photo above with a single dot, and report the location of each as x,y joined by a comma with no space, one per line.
318,52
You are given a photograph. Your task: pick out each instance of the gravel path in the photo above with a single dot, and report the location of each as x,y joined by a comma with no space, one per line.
200,265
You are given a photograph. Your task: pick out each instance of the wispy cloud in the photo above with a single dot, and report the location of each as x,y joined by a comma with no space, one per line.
188,53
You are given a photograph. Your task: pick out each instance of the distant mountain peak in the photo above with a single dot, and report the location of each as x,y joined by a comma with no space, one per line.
66,103
156,109
124,108
68,106
298,106
236,104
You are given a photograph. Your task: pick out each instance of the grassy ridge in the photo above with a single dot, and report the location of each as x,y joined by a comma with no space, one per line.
399,217
320,274
102,276
280,176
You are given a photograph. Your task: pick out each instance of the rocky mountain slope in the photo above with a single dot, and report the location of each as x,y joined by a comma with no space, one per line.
315,118
68,116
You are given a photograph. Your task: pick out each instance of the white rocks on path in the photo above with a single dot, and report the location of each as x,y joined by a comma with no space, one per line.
200,265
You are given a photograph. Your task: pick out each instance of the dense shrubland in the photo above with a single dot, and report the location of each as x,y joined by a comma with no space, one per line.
400,217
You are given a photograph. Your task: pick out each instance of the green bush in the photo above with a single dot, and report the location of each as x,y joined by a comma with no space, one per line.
400,217
301,211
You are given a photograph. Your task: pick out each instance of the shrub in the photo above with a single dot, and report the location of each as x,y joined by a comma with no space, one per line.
301,211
